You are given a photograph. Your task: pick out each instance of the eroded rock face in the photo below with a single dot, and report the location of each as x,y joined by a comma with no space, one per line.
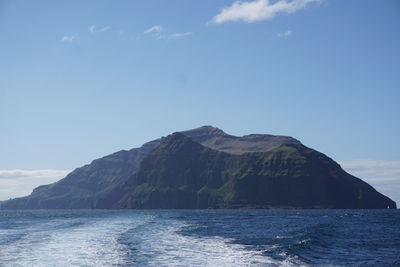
207,168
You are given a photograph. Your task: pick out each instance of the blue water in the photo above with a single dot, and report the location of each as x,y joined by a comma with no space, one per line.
200,238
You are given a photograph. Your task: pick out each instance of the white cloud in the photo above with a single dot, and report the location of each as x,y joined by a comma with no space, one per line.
70,38
179,35
95,29
285,34
259,10
384,176
154,30
18,183
158,32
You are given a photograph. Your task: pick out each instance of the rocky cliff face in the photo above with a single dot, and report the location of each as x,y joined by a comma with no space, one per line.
181,173
207,168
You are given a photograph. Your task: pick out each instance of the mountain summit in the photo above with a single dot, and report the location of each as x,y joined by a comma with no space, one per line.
217,139
207,168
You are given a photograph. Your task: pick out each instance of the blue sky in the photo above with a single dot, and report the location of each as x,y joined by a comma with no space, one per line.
82,79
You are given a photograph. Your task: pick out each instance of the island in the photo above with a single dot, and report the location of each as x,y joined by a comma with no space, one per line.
206,168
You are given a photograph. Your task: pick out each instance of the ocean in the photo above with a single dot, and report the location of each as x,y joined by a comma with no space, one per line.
200,238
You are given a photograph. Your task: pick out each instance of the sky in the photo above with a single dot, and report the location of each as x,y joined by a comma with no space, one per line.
83,79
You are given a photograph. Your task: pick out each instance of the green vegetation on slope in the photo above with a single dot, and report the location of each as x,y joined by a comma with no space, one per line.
181,173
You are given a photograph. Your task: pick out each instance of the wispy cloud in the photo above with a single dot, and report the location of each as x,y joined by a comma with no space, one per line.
158,32
259,10
70,38
154,30
95,29
179,35
17,183
383,175
285,34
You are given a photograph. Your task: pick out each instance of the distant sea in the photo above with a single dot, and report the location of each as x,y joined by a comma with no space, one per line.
200,238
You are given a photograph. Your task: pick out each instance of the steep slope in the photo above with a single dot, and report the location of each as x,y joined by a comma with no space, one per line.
173,173
96,185
181,173
83,187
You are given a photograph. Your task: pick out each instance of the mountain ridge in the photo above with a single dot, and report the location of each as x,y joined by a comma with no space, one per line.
217,139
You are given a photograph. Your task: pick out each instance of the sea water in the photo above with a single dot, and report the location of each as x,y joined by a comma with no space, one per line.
200,238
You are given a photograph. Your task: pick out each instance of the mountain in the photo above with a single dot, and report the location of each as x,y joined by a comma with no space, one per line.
207,168
181,173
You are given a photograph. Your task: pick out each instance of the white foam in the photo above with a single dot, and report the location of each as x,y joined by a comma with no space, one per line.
157,242
91,244
165,246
